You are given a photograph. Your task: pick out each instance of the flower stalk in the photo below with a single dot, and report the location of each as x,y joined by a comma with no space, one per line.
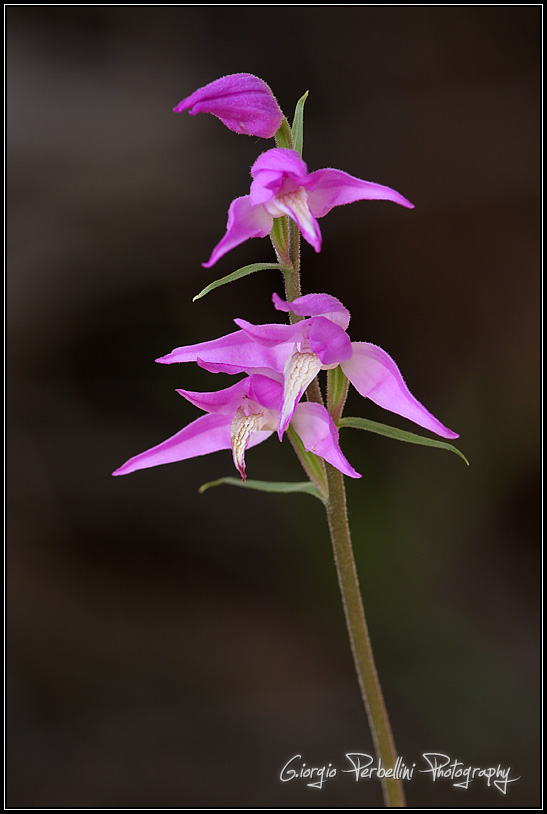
292,281
367,675
348,581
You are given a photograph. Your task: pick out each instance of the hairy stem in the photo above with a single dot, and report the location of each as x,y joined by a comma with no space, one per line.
359,638
294,254
356,623
371,692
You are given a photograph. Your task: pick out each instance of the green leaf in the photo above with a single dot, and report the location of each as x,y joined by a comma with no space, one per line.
279,235
235,275
283,137
265,486
298,124
337,391
398,435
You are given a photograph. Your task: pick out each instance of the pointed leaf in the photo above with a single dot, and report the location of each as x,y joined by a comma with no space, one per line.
398,435
283,137
235,275
279,235
298,124
265,486
337,391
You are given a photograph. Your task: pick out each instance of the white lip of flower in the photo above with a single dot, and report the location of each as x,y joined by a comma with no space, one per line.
245,424
293,204
300,370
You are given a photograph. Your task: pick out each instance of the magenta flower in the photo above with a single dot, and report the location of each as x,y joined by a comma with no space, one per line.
282,186
299,351
241,101
241,417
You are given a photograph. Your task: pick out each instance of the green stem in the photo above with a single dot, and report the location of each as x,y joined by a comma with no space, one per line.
285,237
294,253
285,234
356,623
345,564
359,638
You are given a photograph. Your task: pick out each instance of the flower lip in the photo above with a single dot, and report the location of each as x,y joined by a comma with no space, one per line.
244,427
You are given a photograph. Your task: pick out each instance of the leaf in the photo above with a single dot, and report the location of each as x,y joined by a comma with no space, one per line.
298,124
337,391
235,275
398,435
283,137
265,486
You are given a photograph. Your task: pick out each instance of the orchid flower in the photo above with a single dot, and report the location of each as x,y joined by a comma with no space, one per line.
282,186
299,351
240,417
243,102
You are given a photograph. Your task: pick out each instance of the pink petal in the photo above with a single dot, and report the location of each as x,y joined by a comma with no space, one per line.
207,434
315,305
265,391
258,388
273,334
231,370
224,401
244,221
243,102
319,435
375,375
329,188
324,338
329,341
270,167
234,353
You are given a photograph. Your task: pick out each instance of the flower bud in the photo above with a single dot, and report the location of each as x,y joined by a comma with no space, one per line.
243,102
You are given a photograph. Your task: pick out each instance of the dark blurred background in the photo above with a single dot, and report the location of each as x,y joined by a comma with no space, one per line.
168,649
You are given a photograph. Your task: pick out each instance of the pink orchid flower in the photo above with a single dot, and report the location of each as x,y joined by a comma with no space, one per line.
282,186
241,417
297,352
243,102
